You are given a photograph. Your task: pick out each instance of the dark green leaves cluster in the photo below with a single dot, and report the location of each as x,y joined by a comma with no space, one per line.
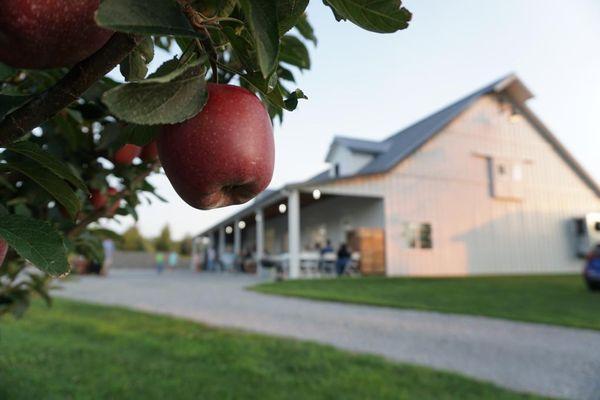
258,44
48,172
245,38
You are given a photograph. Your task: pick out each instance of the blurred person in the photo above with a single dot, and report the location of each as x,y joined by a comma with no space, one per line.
159,258
343,257
211,256
109,252
172,262
328,248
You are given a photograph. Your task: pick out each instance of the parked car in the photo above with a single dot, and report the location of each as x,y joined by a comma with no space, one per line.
591,272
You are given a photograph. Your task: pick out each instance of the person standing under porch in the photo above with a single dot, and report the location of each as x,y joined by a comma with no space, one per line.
343,257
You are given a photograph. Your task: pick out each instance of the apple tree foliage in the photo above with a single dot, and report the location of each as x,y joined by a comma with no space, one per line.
71,121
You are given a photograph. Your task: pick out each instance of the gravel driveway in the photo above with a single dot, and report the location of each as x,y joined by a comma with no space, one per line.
553,361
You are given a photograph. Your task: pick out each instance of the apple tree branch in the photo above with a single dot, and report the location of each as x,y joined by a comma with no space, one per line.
66,90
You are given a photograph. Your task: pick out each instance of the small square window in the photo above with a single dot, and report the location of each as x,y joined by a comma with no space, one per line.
417,236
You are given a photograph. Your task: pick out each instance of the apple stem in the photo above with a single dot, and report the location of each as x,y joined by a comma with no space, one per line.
67,89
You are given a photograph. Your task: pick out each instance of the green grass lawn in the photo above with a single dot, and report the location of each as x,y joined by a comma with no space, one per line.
78,351
558,299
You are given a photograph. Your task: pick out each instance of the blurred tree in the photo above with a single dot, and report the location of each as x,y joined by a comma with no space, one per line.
185,245
163,242
134,241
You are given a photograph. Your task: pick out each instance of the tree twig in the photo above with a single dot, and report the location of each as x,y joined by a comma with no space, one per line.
68,89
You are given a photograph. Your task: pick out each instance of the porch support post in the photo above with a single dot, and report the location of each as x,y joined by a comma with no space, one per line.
294,233
221,249
260,236
237,238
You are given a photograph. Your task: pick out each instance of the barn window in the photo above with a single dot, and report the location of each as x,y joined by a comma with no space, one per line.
506,178
417,236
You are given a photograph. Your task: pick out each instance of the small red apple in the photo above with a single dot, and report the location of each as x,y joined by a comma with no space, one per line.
98,199
149,152
3,250
222,156
126,154
49,33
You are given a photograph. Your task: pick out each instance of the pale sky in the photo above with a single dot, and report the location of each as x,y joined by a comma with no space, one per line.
370,86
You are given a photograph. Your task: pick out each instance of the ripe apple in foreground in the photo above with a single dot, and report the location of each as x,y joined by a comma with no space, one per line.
3,250
126,154
149,152
49,33
222,156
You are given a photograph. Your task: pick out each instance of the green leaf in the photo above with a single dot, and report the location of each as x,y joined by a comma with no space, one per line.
146,49
242,48
6,72
214,8
294,52
306,30
155,17
48,161
262,20
133,67
289,13
382,16
54,185
292,100
10,103
36,241
167,99
141,135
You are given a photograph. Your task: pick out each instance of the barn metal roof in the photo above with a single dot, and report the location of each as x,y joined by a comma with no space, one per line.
403,144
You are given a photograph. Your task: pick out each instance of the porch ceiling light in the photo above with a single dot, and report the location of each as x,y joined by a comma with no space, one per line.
241,224
282,208
316,194
228,230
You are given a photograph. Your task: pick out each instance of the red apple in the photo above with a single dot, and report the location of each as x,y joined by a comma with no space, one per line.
222,156
49,33
126,154
149,152
98,199
3,250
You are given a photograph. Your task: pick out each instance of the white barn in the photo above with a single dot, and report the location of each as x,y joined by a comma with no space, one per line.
479,187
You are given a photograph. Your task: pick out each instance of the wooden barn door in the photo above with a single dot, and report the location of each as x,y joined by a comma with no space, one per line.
370,243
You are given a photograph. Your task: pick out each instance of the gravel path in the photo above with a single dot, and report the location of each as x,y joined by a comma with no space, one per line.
553,361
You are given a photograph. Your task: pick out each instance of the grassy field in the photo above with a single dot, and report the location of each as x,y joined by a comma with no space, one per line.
560,300
77,351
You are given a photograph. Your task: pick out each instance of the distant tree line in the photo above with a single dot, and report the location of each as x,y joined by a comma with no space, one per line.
133,240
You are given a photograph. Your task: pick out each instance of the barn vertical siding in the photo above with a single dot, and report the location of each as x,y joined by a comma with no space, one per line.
446,183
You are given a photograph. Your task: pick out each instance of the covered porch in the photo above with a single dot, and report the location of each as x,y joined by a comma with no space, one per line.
289,229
